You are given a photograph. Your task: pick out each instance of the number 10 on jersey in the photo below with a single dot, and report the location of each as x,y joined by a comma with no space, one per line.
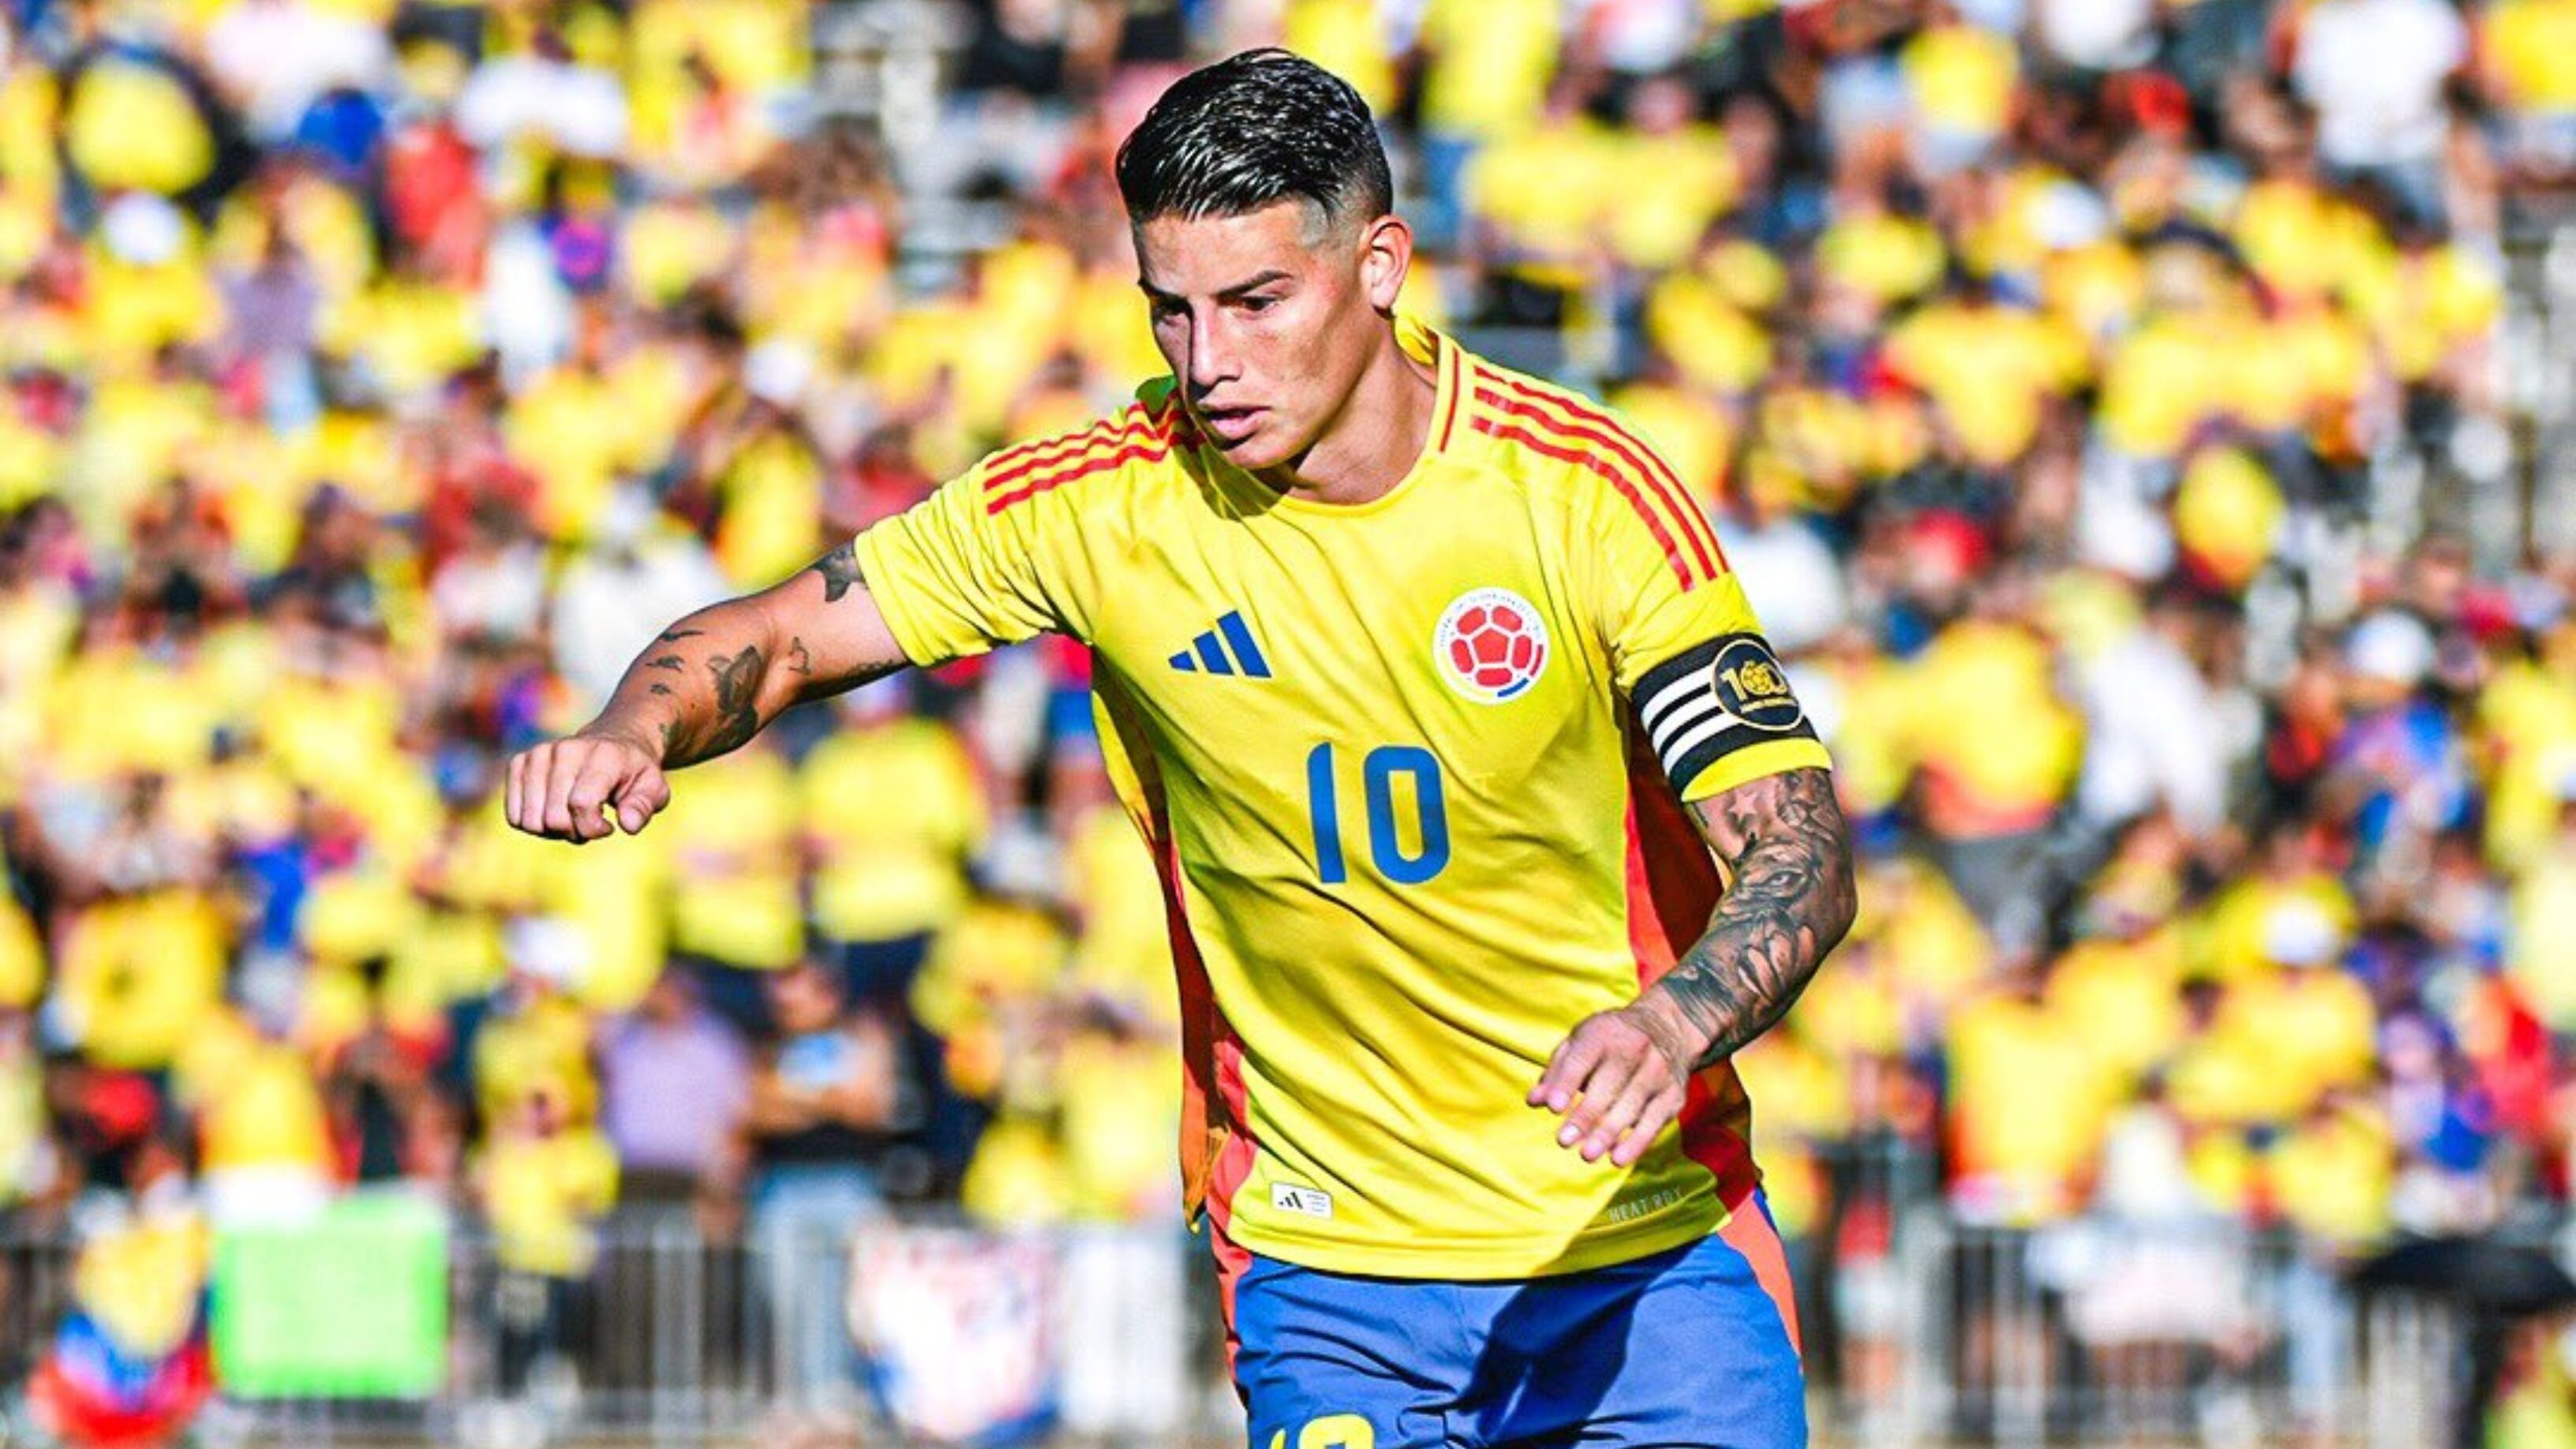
1406,853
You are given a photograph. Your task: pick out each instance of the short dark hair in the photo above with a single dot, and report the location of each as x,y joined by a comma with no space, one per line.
1253,130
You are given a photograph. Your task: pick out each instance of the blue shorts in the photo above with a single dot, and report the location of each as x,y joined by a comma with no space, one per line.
1687,1349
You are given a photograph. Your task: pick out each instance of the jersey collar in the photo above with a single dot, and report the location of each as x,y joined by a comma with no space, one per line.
1424,345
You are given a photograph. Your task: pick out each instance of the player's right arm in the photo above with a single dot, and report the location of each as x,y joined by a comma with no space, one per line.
966,570
705,686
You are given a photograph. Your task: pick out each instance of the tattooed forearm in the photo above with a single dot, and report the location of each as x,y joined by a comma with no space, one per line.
716,678
737,709
1785,842
701,713
840,570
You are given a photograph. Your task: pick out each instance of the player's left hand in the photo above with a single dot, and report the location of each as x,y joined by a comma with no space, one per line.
1618,1080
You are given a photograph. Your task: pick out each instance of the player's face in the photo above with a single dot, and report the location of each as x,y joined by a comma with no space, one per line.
1268,319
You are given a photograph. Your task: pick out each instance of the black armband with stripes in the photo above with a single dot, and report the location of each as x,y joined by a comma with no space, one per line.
1713,699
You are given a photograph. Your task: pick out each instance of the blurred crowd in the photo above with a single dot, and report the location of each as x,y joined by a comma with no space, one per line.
2068,380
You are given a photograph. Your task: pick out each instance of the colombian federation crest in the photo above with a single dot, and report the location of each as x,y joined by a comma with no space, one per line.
1491,645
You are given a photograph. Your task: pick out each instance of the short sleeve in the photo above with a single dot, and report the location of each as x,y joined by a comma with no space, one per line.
956,576
1702,681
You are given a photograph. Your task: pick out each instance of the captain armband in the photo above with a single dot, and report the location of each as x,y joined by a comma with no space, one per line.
1713,699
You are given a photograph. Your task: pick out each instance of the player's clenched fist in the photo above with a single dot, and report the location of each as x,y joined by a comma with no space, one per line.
586,786
1619,1079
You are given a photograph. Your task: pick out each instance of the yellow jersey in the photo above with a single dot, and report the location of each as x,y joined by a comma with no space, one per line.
1412,772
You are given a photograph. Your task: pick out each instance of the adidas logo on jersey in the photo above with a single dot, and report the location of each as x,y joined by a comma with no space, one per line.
1226,649
1314,1202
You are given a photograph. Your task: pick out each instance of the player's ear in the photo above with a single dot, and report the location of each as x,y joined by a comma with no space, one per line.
1386,252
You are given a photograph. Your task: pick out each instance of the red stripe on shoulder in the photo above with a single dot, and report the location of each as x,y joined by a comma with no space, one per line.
1566,414
1590,460
1455,376
1528,427
1014,464
1571,417
1147,449
1030,452
1684,499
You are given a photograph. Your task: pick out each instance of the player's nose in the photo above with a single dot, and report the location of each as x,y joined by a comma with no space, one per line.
1212,360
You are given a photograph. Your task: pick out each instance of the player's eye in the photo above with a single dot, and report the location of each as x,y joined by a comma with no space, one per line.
1259,304
1166,308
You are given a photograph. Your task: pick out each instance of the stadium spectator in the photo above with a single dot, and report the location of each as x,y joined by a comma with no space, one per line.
674,1081
828,1103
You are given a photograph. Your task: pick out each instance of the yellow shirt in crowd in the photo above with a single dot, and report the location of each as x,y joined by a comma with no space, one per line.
734,844
2030,1101
257,1101
1489,64
896,810
2020,760
139,975
2528,43
544,1194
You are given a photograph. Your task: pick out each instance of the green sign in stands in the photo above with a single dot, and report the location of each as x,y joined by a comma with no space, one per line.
351,1304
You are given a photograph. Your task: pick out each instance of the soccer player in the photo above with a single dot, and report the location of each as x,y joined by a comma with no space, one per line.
1416,676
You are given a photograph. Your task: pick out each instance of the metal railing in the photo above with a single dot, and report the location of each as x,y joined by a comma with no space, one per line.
2088,1333
2187,1333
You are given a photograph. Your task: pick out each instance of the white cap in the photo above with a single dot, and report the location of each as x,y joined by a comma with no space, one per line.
142,229
549,948
2070,214
2392,647
2116,529
776,372
2298,933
